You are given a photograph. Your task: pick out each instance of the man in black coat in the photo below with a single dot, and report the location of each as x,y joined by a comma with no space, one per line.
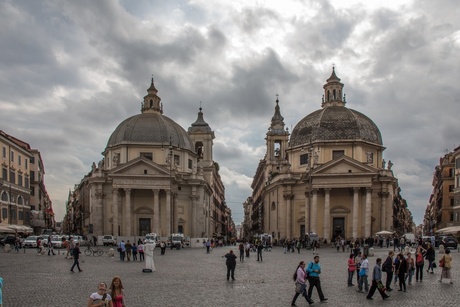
76,257
231,264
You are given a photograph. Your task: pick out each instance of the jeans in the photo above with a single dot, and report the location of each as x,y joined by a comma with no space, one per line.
389,278
231,271
409,275
350,277
419,271
315,282
75,263
303,291
363,282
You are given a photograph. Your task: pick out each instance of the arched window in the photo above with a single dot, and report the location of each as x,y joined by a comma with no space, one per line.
4,196
20,200
328,96
151,103
334,94
273,206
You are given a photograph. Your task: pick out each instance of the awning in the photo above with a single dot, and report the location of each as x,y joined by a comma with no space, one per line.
384,233
4,228
18,228
451,229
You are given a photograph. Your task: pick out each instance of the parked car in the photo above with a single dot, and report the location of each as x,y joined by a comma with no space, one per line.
448,242
56,240
109,240
31,241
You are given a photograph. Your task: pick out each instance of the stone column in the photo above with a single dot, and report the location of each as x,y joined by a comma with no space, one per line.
115,212
156,211
287,199
128,212
383,206
355,212
327,214
368,222
389,215
314,211
174,214
168,212
307,212
193,198
98,222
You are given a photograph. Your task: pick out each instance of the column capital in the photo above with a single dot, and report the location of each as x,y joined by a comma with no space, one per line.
288,196
99,195
127,190
384,194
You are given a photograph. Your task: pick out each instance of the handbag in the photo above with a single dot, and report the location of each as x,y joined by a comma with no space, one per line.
362,272
441,262
119,249
298,287
434,265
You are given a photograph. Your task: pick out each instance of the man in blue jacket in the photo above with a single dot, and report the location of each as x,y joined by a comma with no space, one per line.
314,270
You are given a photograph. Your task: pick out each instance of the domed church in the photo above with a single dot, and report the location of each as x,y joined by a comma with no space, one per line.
155,177
327,177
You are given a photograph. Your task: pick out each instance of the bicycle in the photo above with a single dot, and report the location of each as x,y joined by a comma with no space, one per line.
90,251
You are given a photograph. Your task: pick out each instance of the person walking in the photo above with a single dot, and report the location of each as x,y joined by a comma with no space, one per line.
117,293
446,264
401,270
363,273
129,249
410,267
140,250
430,256
300,278
50,247
351,270
100,298
134,250
122,250
260,247
241,249
208,246
314,270
377,281
162,247
231,264
388,268
76,258
358,259
419,263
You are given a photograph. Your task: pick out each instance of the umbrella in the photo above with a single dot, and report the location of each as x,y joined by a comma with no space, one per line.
14,227
384,233
452,229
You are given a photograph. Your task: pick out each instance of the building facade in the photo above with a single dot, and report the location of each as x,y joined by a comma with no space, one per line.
154,177
327,177
444,203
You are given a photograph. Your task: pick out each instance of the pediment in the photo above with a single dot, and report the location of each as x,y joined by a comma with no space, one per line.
139,166
344,165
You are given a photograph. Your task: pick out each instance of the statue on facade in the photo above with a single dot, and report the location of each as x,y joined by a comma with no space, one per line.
100,165
369,157
383,163
148,253
116,159
93,167
390,165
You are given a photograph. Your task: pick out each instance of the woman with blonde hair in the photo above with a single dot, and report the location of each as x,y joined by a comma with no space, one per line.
100,298
446,264
117,292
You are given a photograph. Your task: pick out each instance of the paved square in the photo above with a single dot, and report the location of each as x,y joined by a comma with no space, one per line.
190,277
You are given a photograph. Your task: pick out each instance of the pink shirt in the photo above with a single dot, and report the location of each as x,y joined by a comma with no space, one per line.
301,275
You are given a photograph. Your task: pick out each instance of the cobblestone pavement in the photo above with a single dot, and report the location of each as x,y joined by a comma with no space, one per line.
190,277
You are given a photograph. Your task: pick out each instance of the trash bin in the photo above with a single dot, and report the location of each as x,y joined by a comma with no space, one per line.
366,250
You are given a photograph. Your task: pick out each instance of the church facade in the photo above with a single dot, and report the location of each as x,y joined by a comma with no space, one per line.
326,177
154,177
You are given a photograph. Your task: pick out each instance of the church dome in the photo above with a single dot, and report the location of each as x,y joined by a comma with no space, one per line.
335,122
151,126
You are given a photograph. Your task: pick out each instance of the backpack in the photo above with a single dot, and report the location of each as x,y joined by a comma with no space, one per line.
386,265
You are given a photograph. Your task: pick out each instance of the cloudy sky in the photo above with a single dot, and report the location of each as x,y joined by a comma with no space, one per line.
71,71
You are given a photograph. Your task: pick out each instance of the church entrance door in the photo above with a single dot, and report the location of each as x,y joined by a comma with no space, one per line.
338,224
144,227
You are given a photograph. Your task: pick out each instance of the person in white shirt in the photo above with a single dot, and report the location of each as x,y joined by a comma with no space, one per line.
101,297
363,273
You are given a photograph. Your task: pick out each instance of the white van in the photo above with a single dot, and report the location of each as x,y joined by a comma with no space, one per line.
409,239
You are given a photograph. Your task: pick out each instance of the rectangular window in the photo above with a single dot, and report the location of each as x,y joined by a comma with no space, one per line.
457,163
337,153
451,188
27,165
32,176
5,213
32,160
12,156
190,164
21,215
4,174
452,202
20,180
176,160
12,176
26,185
32,191
4,152
19,159
303,159
147,155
